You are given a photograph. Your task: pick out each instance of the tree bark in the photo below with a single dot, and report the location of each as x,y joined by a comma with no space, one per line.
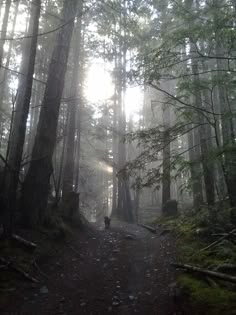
17,136
195,168
226,114
37,182
166,182
4,73
69,169
114,153
124,206
205,141
4,29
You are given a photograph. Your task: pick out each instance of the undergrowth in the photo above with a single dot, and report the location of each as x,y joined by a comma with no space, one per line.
194,232
205,299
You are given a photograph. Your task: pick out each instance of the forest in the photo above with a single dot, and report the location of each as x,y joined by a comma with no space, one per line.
118,157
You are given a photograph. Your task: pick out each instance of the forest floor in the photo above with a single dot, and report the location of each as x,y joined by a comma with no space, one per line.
123,270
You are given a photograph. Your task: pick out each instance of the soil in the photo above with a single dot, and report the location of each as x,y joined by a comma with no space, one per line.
122,270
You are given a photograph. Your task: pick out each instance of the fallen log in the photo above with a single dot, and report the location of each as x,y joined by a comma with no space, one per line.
224,234
30,246
216,242
226,268
148,227
209,273
10,265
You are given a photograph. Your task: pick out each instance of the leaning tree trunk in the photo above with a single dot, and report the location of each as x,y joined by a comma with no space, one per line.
37,182
17,136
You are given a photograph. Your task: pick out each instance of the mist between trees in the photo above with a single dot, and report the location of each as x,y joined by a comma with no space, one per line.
76,141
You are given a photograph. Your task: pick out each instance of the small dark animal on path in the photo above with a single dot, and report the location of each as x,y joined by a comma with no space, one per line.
107,222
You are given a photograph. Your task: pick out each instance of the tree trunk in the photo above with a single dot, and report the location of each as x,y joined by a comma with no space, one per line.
37,182
205,139
68,178
166,158
35,107
78,138
4,29
4,72
114,153
199,137
226,114
1,1
17,136
124,206
195,168
79,115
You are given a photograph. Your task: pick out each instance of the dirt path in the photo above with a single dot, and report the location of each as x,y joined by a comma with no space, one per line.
125,270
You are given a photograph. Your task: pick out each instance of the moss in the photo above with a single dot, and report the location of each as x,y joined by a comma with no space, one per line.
213,300
194,232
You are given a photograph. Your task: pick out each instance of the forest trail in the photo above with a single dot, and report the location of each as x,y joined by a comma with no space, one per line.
124,270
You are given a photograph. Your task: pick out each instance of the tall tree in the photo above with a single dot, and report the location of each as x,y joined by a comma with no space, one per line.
37,182
124,204
4,28
69,169
4,74
17,136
